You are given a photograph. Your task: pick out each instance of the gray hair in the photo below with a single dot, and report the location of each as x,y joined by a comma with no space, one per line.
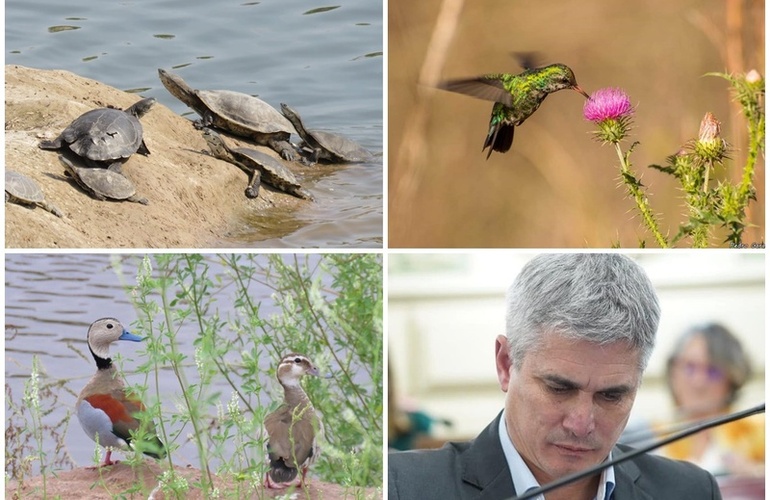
725,352
602,298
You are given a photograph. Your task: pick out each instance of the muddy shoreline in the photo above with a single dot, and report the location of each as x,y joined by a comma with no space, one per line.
196,201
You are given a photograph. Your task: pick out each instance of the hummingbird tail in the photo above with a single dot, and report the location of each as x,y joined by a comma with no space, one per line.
499,138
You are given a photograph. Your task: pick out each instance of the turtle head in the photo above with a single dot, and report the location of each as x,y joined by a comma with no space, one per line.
289,113
215,142
175,85
292,116
69,168
141,107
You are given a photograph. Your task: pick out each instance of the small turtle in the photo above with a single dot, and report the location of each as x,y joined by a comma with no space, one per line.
325,145
102,184
105,137
21,189
259,166
240,114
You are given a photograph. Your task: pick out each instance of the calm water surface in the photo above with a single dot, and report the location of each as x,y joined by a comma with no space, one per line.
50,301
325,60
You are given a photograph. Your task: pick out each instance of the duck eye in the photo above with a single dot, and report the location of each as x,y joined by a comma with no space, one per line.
298,360
109,326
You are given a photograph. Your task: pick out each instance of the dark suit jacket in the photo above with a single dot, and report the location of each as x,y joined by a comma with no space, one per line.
478,470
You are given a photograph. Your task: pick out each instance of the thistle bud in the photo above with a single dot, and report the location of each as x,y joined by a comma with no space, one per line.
710,146
753,76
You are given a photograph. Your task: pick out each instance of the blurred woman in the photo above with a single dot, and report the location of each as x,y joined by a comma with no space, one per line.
705,373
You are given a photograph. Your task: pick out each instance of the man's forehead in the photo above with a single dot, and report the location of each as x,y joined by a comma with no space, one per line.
582,360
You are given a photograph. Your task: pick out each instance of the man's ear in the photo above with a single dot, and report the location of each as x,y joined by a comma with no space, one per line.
502,362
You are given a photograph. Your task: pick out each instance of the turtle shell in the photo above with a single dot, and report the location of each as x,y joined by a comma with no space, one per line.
245,111
23,188
326,145
104,134
339,146
106,183
273,172
101,182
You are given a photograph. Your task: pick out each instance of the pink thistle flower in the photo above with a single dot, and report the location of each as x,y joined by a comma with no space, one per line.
607,104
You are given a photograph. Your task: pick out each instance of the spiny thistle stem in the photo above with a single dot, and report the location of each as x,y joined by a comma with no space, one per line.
611,110
706,176
634,188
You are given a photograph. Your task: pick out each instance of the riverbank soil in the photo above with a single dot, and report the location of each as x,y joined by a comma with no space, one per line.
195,200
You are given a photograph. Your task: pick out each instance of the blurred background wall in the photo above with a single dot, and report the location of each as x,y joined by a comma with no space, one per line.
557,187
445,310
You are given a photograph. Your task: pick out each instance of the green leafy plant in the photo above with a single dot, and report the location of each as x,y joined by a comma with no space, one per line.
241,313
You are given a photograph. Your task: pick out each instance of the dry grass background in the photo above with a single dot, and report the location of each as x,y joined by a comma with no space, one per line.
557,187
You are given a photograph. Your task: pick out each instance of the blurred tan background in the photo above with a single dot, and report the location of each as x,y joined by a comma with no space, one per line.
446,309
557,187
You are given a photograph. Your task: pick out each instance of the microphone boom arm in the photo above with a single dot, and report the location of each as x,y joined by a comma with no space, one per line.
707,424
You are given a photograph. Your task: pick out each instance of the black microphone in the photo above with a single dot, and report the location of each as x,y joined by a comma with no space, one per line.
706,424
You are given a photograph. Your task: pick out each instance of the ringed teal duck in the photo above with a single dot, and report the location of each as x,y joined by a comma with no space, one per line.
104,409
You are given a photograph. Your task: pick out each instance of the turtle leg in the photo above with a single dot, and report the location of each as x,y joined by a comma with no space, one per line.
206,120
252,190
54,144
52,208
138,199
143,149
303,193
283,147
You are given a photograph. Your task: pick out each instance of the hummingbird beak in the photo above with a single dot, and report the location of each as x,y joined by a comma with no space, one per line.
578,89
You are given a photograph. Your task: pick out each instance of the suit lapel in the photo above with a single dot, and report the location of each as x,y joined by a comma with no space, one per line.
626,475
484,465
485,468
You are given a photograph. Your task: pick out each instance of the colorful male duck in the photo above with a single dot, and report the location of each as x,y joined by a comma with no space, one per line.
292,428
103,407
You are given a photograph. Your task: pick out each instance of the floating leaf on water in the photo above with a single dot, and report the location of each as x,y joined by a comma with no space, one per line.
137,90
89,58
370,54
57,29
205,57
178,66
76,19
164,36
363,24
320,9
15,52
251,3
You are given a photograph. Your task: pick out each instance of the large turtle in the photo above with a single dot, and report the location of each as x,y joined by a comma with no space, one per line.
22,190
259,166
326,145
102,184
240,114
105,137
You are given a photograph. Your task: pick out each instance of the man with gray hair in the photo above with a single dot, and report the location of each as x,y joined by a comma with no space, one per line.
580,329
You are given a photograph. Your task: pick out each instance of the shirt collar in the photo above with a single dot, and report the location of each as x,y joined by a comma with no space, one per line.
524,480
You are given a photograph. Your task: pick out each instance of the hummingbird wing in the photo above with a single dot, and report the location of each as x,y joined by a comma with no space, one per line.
528,60
489,89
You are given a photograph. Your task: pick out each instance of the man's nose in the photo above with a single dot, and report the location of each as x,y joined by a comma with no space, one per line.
579,419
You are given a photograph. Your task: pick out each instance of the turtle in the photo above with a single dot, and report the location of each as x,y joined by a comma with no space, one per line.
240,114
105,137
258,165
22,190
102,183
326,145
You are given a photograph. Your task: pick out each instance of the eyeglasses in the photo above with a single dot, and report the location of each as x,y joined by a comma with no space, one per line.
691,368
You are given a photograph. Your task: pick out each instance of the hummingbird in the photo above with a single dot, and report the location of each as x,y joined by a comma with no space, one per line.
516,97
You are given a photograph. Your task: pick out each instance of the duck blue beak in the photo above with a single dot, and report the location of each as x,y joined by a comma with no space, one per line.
126,335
